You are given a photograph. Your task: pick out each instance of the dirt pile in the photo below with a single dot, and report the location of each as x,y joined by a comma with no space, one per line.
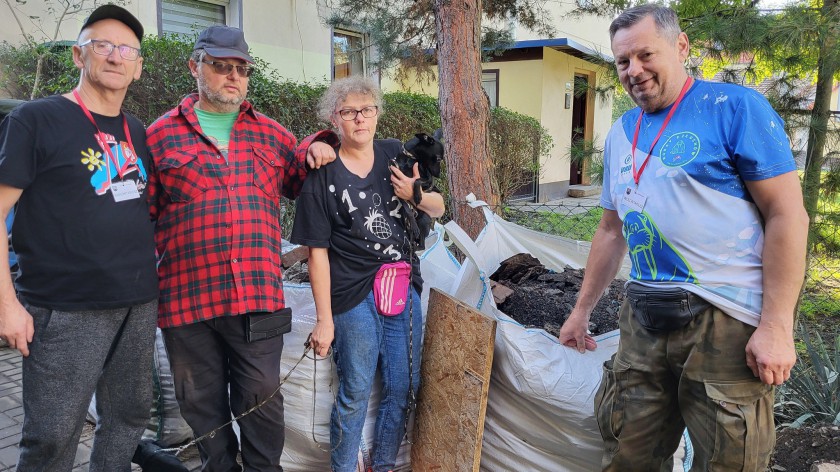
797,449
538,297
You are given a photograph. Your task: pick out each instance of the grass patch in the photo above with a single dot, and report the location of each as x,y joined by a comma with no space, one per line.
579,226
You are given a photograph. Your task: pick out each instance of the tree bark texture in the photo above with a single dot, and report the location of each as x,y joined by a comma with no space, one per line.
464,109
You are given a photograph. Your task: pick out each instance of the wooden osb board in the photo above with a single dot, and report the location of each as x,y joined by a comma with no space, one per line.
457,357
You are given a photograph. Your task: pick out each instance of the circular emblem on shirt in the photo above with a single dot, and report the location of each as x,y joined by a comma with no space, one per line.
680,149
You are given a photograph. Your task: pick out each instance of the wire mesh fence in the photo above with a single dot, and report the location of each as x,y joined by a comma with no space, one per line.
821,298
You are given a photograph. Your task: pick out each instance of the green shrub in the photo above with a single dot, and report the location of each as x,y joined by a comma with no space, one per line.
165,80
812,395
516,141
58,75
407,114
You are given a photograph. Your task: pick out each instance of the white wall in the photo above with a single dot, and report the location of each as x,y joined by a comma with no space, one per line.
288,34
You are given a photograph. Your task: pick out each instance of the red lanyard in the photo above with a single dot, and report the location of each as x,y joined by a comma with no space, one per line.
103,143
638,174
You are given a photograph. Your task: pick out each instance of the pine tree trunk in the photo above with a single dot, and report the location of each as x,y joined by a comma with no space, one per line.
828,64
464,109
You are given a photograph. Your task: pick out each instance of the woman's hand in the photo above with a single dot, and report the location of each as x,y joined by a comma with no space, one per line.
322,336
404,185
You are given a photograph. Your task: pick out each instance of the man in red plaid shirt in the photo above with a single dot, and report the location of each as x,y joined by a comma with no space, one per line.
220,168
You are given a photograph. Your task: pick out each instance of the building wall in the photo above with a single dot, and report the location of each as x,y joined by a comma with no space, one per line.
537,88
558,79
288,34
43,27
589,31
833,143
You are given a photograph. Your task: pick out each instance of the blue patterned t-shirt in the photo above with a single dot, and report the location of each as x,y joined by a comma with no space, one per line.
699,229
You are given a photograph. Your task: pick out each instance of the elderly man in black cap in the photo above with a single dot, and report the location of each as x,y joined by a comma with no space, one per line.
220,171
76,166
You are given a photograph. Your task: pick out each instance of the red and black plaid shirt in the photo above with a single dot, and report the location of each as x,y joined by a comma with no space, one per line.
218,227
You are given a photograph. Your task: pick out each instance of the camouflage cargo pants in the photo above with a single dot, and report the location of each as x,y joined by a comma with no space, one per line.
659,383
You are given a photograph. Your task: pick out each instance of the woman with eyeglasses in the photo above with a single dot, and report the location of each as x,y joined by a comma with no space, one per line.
365,277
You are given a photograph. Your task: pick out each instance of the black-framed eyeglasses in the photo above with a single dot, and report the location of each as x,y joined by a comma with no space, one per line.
224,68
349,114
105,48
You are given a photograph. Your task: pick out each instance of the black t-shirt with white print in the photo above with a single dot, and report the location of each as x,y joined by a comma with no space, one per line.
359,219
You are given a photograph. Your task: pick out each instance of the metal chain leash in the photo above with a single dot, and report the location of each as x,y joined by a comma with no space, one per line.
330,354
411,403
178,450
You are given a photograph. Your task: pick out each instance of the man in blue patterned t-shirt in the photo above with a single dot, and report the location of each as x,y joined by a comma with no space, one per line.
701,187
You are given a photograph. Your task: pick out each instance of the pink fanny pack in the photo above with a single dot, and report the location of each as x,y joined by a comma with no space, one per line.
390,288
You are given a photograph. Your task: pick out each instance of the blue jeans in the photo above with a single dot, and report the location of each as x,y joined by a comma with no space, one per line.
365,340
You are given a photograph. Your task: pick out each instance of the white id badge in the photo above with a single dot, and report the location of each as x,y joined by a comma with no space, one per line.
633,200
123,191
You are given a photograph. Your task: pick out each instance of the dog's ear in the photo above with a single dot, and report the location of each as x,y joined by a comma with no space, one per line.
423,137
438,134
412,143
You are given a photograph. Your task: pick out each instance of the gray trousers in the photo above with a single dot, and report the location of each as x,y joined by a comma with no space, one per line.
73,355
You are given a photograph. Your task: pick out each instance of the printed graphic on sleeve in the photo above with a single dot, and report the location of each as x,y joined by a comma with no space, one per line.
124,175
652,256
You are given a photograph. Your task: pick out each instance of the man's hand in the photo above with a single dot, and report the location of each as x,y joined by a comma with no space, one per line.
16,326
771,354
318,154
322,336
573,333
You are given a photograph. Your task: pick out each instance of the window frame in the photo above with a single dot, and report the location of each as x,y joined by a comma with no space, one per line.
495,102
233,13
365,51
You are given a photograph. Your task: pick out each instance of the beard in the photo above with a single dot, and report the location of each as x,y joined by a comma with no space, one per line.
218,98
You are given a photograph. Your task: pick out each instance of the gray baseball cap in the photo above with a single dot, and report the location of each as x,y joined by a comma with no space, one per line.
224,42
113,12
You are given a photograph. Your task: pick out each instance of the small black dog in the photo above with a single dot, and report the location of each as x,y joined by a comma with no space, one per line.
151,458
427,151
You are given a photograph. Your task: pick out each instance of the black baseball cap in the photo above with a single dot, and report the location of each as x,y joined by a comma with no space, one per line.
113,12
224,42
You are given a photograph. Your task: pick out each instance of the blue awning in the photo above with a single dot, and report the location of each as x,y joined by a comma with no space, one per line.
565,45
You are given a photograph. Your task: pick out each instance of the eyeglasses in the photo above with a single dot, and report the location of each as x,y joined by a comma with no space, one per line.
224,68
105,48
349,114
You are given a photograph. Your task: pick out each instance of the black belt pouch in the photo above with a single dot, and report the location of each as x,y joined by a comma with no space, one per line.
264,325
664,309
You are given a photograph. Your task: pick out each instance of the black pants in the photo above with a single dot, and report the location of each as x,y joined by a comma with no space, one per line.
207,359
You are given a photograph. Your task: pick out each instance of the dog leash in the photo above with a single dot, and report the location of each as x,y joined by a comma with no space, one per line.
178,450
315,360
411,403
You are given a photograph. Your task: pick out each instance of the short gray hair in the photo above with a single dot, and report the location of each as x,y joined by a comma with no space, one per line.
342,88
667,23
198,55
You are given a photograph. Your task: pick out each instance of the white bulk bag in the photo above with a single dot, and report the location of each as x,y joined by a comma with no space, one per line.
305,417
